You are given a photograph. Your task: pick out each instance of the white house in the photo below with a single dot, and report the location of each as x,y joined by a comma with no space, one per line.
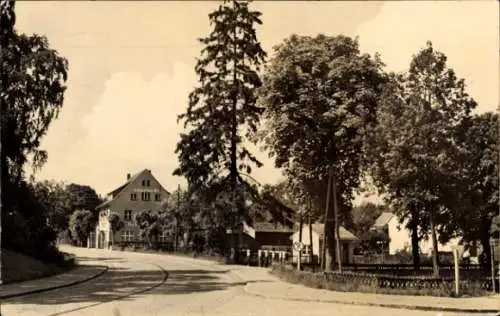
400,236
346,237
140,192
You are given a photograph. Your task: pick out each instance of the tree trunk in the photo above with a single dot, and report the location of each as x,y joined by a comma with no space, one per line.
336,224
435,250
299,257
234,131
414,242
485,243
327,242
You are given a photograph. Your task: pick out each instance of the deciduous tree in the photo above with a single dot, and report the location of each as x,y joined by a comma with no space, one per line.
32,85
81,223
413,146
475,194
319,95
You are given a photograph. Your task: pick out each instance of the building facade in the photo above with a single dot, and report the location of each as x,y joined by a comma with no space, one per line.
400,236
140,192
347,242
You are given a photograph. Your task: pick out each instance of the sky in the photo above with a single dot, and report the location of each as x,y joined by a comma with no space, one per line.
131,67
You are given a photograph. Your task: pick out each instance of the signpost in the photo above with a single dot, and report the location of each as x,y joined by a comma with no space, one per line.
298,246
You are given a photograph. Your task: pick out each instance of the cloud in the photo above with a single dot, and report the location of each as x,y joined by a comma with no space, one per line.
466,31
132,126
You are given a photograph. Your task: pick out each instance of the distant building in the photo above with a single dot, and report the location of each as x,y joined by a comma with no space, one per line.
140,192
347,241
262,236
271,228
400,236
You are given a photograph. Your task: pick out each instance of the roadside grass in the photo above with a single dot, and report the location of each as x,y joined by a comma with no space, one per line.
17,267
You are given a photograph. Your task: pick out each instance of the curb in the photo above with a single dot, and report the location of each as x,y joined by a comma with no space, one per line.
36,291
345,302
395,306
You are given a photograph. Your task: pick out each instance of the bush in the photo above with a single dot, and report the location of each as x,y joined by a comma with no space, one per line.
354,281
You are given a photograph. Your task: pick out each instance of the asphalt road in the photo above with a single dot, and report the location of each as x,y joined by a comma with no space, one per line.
137,284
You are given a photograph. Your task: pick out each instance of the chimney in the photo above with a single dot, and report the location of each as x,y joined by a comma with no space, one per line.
128,176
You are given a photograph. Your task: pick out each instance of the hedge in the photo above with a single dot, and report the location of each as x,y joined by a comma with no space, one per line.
354,281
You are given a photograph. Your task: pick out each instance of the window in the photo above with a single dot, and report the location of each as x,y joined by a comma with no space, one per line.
127,235
128,215
145,183
157,197
146,196
133,196
164,236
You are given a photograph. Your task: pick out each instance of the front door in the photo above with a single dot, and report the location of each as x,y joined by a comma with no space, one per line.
100,240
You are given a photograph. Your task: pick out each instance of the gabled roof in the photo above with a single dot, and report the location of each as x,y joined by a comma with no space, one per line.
116,192
383,219
344,234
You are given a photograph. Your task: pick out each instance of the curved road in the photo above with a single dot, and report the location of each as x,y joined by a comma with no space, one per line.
155,284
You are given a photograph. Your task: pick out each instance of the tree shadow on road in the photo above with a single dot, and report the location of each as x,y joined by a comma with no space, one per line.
125,284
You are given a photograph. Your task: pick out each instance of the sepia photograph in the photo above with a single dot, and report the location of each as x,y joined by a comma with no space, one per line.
245,158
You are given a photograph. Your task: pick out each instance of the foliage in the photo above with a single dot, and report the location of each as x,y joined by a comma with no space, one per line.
413,146
319,95
32,77
150,225
60,201
56,203
223,102
476,180
365,215
115,223
373,241
83,197
495,226
81,223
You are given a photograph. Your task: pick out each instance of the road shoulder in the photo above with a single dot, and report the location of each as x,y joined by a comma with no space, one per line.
259,282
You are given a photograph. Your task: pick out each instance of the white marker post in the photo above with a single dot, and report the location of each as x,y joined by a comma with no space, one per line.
457,250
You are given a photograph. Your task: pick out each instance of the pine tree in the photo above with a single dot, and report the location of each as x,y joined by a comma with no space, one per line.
224,103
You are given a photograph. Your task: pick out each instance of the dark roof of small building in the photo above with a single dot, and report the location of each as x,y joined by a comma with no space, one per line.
266,227
383,219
